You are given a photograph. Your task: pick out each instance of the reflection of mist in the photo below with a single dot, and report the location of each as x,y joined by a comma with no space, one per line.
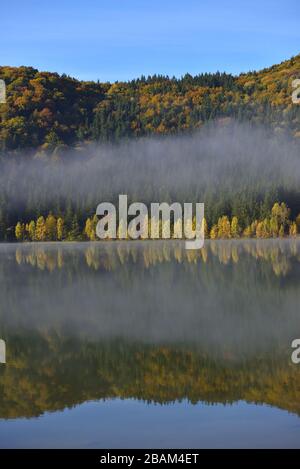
229,301
2,351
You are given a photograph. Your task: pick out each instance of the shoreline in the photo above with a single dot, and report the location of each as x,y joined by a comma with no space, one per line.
144,241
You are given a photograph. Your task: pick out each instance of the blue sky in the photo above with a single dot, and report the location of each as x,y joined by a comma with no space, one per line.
122,39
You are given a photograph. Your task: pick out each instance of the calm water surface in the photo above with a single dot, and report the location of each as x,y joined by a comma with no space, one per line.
149,345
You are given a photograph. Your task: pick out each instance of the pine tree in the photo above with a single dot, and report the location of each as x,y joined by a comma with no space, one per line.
74,233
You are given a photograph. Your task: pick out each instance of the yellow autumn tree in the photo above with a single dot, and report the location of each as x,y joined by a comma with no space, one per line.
293,229
60,229
274,226
50,228
88,228
224,227
234,228
281,231
177,229
19,231
205,228
279,216
40,229
263,229
214,232
31,230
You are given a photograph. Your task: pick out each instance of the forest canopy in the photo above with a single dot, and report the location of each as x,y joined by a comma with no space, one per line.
48,110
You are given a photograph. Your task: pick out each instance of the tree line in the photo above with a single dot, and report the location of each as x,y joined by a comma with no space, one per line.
51,228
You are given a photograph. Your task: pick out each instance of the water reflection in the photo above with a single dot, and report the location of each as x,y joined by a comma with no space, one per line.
110,255
149,321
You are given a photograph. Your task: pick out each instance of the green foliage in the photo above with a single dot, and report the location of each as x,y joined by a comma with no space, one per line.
48,110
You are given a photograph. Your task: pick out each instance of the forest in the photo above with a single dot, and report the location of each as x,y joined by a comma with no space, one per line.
50,111
55,229
51,122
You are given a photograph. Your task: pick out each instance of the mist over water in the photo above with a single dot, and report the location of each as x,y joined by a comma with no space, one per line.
239,296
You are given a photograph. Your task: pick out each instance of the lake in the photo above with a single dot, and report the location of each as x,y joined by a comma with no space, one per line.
145,344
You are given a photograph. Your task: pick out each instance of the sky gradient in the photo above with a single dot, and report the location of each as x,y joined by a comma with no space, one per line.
123,39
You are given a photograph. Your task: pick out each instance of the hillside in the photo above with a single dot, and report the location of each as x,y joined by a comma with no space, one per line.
47,110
